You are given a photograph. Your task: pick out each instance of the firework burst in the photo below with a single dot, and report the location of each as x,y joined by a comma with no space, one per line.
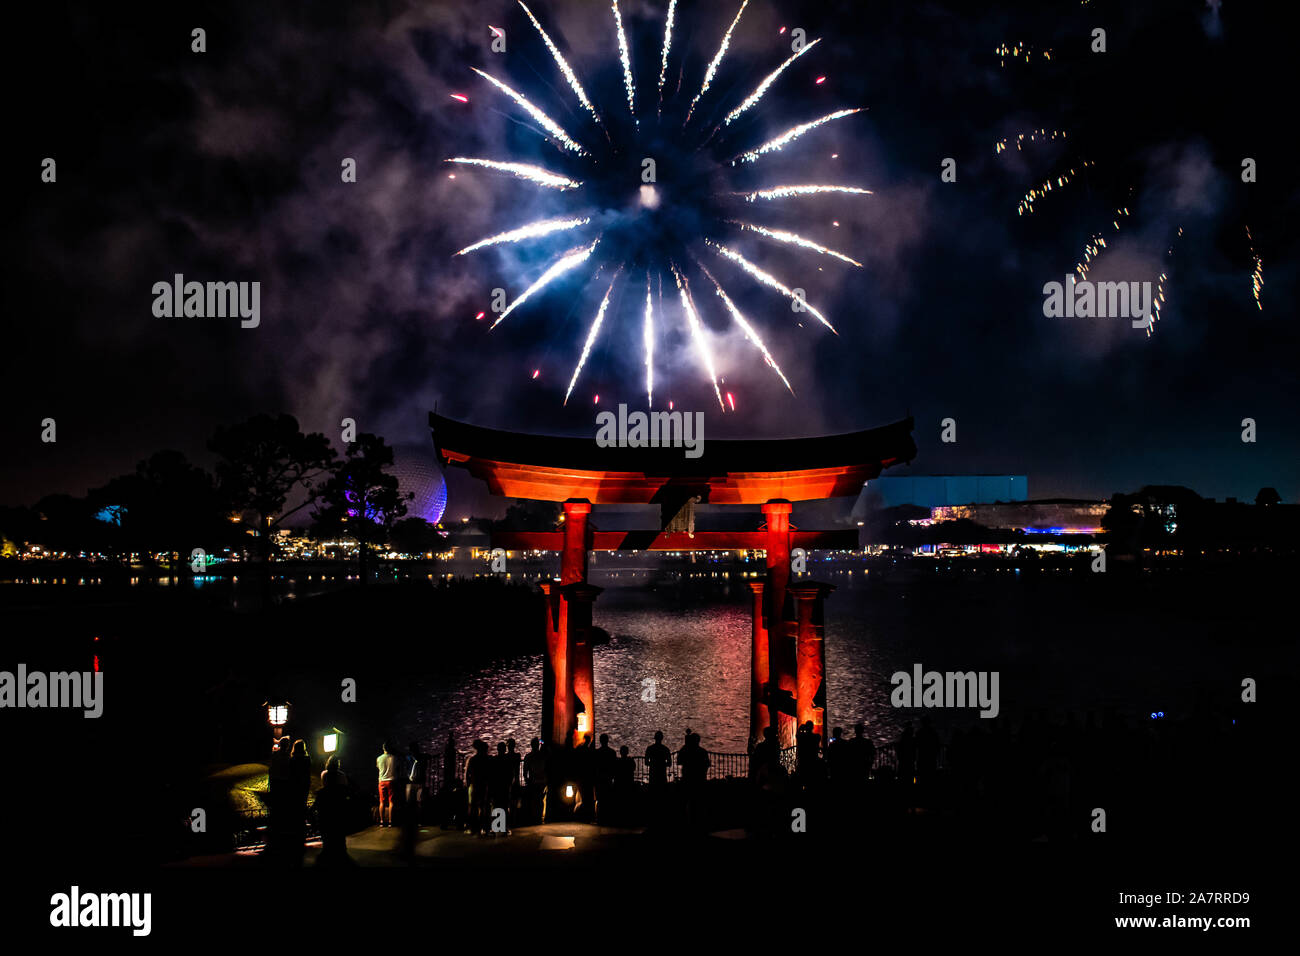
639,227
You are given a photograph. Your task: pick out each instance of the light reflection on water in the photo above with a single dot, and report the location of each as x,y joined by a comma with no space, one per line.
697,653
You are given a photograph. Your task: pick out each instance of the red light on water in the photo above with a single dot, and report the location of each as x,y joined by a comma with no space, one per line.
457,96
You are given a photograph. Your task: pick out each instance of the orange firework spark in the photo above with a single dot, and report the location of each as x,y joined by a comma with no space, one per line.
1026,204
1257,274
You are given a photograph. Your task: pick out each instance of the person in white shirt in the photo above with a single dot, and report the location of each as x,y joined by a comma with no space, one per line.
386,763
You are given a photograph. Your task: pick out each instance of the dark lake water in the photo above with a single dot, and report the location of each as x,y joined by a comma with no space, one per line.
1061,644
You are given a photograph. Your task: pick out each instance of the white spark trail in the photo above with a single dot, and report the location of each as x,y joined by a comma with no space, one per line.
791,135
649,338
768,280
784,192
781,235
757,95
570,260
563,64
531,231
626,58
548,124
591,337
663,62
697,332
713,64
534,174
747,328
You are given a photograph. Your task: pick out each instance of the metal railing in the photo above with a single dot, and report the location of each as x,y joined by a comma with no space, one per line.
722,766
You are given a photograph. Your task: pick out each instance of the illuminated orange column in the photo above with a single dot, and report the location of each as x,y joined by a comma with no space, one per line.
809,632
557,667
781,660
758,674
577,610
578,599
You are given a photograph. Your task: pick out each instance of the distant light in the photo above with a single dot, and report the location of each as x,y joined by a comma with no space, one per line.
835,155
536,372
457,96
835,223
670,406
451,175
780,31
568,791
820,80
479,316
331,743
731,401
496,31
596,400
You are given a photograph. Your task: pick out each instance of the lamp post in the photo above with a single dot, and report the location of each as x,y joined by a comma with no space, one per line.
277,715
331,740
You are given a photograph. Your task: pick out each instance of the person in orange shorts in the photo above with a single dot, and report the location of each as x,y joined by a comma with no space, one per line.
386,763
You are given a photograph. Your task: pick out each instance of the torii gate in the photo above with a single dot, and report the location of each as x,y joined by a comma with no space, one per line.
788,660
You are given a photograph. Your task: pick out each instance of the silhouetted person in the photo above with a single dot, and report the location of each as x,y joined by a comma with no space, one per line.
809,767
862,755
693,761
504,766
299,789
515,760
905,751
657,760
449,756
332,814
556,769
624,783
837,758
605,762
534,782
584,762
280,802
417,771
770,778
478,778
386,764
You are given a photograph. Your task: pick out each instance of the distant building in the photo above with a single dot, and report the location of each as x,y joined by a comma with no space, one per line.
935,491
1050,516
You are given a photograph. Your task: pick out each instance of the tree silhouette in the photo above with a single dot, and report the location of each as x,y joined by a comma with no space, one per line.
360,499
262,462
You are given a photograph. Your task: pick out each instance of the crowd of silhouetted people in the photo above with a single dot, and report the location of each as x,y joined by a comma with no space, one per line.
1038,780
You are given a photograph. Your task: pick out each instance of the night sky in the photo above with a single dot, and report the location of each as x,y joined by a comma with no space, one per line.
225,165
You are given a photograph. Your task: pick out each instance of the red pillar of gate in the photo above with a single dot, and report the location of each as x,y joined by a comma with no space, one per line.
758,673
558,717
781,659
578,598
577,607
809,627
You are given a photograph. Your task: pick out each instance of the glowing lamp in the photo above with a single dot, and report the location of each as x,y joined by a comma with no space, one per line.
582,724
330,743
568,792
277,713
